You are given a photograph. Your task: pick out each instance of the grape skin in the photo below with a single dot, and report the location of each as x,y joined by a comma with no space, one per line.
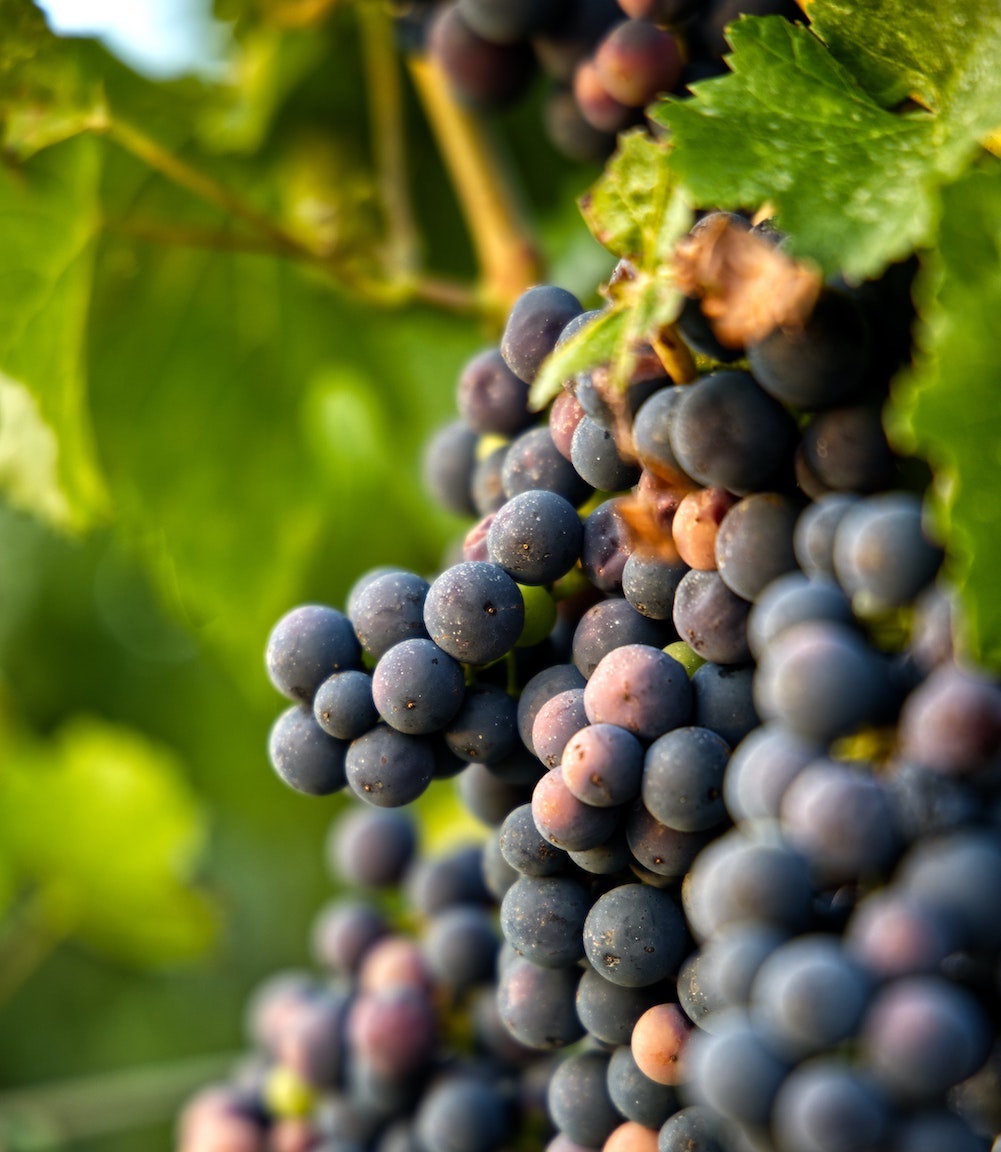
533,326
711,618
578,1099
482,74
636,60
819,365
532,463
663,851
635,1095
537,1004
726,432
564,820
535,537
559,719
307,645
474,611
634,935
388,608
808,996
826,1104
462,1114
417,687
490,397
639,688
484,729
543,916
388,768
683,779
343,705
754,543
603,765
608,1010
371,848
525,849
304,756
611,624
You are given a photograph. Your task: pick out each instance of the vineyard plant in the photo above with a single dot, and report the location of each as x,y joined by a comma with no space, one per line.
499,619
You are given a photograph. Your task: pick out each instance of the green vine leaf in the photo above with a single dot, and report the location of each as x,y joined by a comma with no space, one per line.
638,212
101,825
853,184
946,406
943,55
50,88
49,219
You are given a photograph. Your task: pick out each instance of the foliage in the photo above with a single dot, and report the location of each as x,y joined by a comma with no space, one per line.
120,878
226,328
946,407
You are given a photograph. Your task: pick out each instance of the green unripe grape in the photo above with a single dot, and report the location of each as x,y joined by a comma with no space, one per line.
569,585
287,1095
540,615
488,443
687,657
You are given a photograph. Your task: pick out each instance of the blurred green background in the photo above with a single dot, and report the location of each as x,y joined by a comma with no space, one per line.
200,426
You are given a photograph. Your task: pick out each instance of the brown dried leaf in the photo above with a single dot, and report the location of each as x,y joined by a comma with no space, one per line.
649,513
746,284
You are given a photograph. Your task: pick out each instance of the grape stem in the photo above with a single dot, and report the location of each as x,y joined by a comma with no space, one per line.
675,356
438,291
205,187
506,251
271,238
385,102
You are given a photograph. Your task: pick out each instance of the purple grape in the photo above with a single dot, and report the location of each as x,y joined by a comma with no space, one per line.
306,645
641,689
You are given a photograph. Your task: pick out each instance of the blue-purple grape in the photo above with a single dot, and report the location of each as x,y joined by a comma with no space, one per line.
307,645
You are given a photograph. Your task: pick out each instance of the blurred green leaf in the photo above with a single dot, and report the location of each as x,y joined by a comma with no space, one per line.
946,406
99,823
50,88
264,68
49,215
250,420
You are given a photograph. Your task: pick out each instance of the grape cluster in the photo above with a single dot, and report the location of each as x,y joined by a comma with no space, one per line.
603,60
398,1043
693,666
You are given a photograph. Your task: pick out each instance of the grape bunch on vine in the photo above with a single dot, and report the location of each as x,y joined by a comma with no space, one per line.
654,730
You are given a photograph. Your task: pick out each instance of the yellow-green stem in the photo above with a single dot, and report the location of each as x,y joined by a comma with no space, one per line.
506,252
206,187
386,114
675,355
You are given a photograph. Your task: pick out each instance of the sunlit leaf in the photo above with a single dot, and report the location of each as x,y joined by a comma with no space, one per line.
100,821
49,217
852,183
944,55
